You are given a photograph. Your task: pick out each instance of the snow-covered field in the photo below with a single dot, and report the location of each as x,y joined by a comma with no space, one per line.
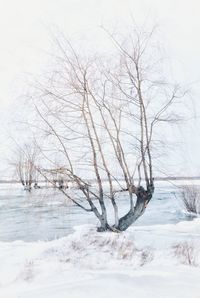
159,257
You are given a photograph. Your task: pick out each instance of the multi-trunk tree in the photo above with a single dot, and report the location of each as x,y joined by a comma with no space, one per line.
100,115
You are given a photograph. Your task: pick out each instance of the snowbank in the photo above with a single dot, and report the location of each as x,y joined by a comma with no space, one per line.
140,262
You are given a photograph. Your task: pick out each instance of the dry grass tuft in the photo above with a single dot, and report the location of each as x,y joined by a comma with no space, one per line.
186,253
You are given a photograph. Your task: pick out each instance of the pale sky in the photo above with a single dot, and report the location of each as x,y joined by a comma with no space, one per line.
25,27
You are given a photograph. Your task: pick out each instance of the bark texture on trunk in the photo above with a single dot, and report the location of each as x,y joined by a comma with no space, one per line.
143,198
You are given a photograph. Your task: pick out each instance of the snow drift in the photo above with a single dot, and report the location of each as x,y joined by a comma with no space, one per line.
140,262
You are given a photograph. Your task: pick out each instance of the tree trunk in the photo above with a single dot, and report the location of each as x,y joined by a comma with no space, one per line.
104,227
143,198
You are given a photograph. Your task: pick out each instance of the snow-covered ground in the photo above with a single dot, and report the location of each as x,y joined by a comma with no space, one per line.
159,257
140,262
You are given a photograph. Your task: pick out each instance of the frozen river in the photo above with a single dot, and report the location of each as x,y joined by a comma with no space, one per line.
45,215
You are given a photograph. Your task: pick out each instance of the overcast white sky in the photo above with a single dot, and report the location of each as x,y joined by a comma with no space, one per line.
25,39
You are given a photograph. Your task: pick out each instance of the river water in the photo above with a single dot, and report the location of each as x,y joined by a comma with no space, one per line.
46,215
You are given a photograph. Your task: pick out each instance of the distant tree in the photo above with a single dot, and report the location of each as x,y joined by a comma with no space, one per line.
25,166
101,116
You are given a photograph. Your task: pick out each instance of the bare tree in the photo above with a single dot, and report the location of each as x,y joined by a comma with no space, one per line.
100,117
25,166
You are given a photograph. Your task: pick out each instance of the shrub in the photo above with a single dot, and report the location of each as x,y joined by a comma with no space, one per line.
186,253
191,198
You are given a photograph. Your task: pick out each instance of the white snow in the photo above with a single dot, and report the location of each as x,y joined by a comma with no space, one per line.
137,263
